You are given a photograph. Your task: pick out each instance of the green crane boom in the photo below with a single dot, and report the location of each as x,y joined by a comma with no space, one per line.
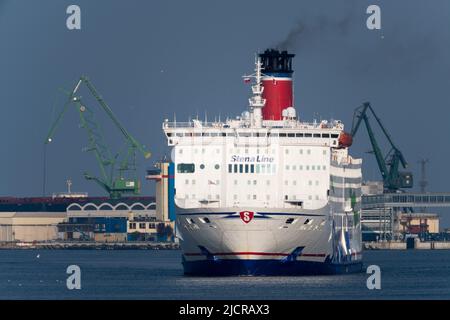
115,186
393,179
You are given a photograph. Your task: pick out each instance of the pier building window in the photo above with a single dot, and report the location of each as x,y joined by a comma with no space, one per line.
301,151
310,182
286,151
294,167
313,167
307,167
308,151
186,168
309,197
287,167
186,181
300,167
324,167
294,182
324,152
317,182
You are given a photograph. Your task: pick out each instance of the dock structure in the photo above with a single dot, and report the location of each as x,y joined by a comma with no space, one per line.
381,213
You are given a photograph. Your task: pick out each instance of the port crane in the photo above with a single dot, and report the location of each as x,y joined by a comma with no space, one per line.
393,179
116,186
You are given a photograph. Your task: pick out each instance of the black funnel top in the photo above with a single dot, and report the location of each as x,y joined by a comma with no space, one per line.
274,61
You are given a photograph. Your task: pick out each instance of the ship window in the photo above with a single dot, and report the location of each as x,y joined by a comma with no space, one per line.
179,134
169,134
274,134
294,167
324,168
301,151
257,168
186,168
180,151
205,134
308,135
202,166
252,168
308,151
334,135
235,197
291,135
268,182
254,182
307,167
235,168
230,134
289,221
205,220
325,135
306,221
216,166
316,135
300,167
254,197
313,167
214,134
263,168
197,134
230,168
282,134
241,168
299,134
267,197
244,134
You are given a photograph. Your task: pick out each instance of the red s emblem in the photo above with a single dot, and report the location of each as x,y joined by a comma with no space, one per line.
246,216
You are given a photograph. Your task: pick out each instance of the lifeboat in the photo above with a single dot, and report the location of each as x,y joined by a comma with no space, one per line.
345,140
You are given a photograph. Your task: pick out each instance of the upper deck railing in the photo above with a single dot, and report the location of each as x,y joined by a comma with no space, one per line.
243,124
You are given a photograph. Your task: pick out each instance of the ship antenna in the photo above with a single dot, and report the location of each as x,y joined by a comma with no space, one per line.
257,102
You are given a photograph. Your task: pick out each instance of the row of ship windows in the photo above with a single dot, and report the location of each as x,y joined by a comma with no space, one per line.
246,151
255,134
250,197
254,182
249,168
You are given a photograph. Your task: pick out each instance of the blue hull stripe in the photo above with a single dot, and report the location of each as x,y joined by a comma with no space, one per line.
257,214
266,267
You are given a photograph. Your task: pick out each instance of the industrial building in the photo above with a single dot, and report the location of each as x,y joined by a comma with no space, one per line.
84,219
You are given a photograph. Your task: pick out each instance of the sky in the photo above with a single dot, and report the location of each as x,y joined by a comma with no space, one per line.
158,59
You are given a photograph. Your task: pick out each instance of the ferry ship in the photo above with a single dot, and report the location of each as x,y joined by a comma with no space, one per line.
266,193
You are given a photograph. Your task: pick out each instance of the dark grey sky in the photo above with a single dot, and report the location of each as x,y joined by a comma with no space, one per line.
151,59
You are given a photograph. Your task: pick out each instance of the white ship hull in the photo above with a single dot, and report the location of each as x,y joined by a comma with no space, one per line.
273,242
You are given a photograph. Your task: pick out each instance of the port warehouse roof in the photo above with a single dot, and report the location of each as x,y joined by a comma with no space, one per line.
50,204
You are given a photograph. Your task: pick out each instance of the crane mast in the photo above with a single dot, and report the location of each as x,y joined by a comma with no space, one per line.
115,186
389,165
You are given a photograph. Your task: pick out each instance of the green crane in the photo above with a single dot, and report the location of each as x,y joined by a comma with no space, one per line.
393,179
115,186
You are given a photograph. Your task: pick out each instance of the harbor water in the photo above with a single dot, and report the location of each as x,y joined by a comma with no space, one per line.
158,274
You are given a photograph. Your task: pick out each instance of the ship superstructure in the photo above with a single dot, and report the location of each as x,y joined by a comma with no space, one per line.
266,193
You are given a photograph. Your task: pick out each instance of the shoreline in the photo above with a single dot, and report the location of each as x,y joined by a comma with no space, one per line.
90,246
